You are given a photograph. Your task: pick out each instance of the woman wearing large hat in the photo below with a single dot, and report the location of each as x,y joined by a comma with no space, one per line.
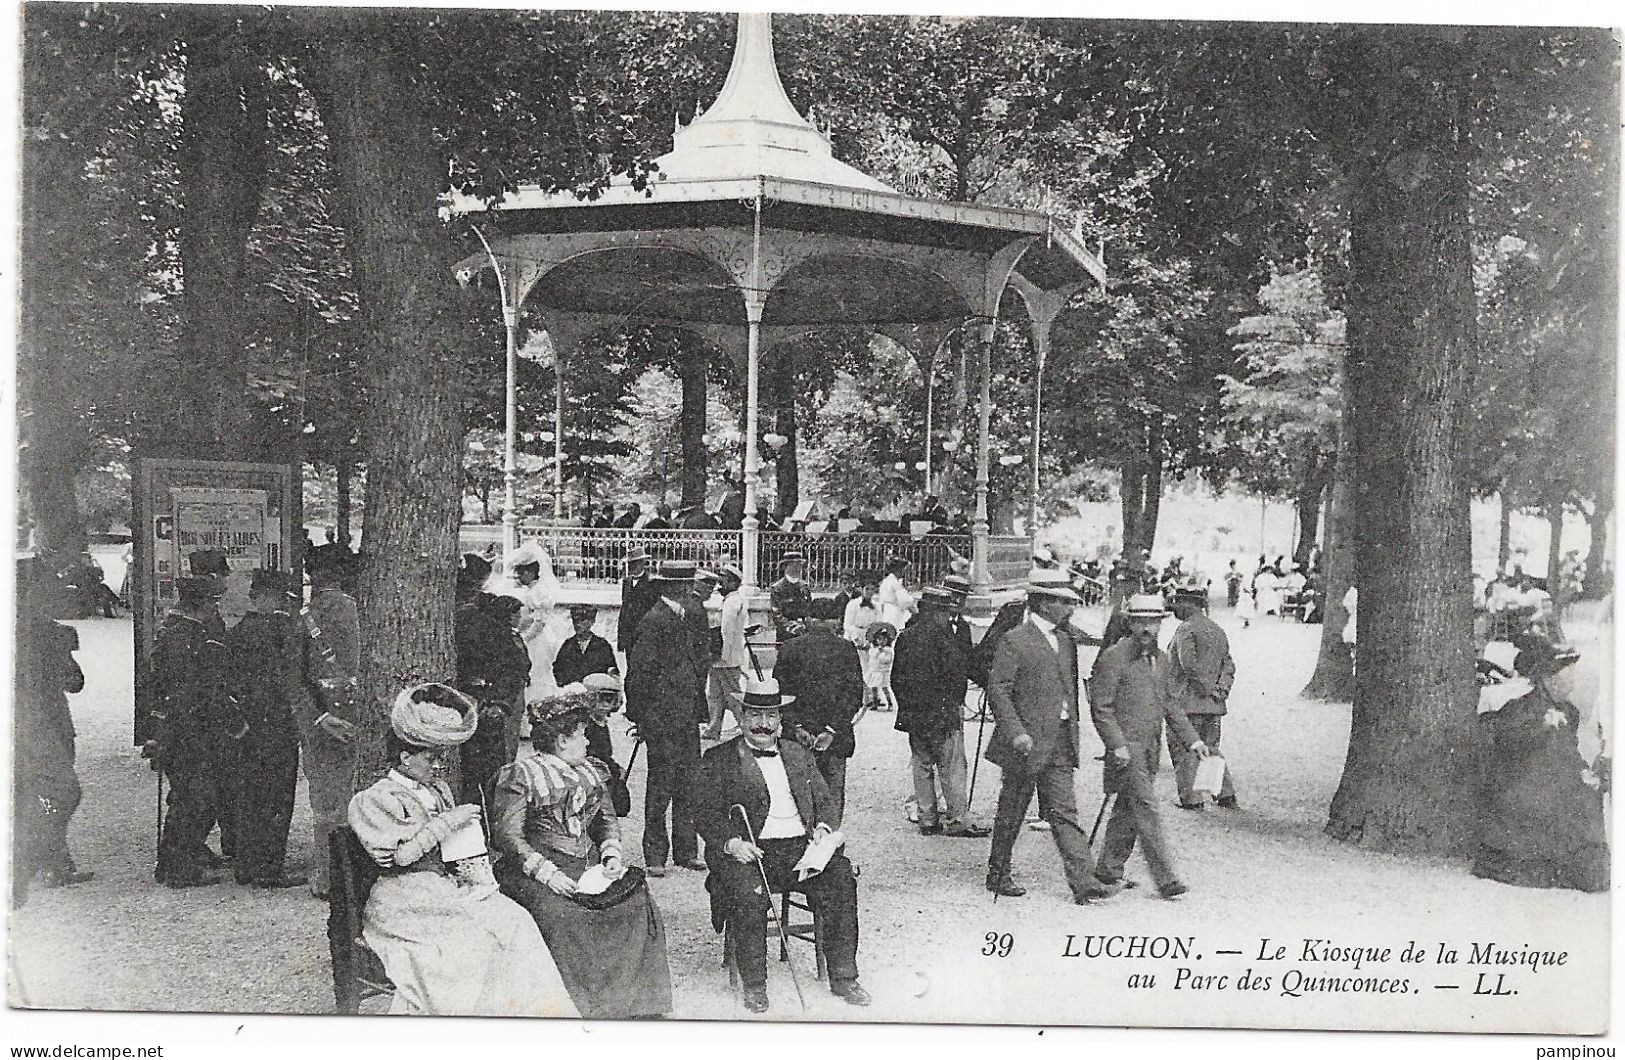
451,946
1541,822
554,825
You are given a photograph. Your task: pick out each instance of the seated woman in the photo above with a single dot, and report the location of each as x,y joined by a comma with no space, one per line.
553,822
1541,824
451,946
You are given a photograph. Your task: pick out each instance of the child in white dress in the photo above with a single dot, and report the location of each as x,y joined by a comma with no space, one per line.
877,674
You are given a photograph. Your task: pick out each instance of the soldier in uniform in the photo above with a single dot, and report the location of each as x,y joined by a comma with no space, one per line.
791,596
268,646
328,715
198,724
493,667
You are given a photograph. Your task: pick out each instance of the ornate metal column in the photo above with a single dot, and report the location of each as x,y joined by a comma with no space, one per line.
755,303
981,526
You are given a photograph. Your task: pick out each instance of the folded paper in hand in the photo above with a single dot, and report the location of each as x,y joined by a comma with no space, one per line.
817,855
1209,776
466,842
595,880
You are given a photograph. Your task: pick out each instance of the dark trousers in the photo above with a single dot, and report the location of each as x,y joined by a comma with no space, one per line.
1210,728
1135,819
494,744
674,765
269,775
832,767
201,793
833,895
1058,805
47,793
600,747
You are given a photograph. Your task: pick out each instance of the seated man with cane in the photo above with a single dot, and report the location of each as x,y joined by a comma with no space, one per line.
761,804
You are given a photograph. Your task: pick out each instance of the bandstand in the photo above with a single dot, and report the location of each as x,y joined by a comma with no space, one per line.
751,234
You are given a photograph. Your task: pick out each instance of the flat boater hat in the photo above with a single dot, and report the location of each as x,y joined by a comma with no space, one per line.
761,694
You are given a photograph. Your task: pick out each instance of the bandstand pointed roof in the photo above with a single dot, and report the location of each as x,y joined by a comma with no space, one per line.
751,199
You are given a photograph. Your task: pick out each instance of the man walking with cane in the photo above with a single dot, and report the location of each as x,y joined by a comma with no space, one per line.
1033,690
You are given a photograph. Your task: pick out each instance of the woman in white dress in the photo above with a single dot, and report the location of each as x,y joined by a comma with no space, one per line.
542,623
452,944
897,604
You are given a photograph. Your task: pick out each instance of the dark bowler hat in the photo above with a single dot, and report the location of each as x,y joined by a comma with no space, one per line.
207,562
957,584
792,557
1191,591
936,598
676,570
637,554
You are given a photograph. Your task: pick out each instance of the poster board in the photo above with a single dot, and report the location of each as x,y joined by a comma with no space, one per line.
250,511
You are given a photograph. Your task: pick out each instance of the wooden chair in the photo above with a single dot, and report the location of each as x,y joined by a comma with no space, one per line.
358,974
810,930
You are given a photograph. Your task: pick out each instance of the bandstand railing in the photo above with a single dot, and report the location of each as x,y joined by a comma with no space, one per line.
597,555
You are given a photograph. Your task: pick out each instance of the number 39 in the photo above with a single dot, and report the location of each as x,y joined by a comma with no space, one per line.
997,945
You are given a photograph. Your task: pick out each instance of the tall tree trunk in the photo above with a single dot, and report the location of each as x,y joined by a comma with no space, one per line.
1503,541
691,373
1333,678
1408,781
341,473
223,163
1310,493
1131,498
389,175
1596,581
1554,569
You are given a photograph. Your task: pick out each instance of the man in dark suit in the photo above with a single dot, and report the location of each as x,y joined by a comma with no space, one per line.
1200,673
637,596
666,671
928,676
787,805
791,596
493,667
583,654
1033,690
1129,699
629,518
821,670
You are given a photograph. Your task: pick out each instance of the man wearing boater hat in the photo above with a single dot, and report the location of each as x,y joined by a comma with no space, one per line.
1200,673
785,805
1033,690
1129,699
638,594
666,670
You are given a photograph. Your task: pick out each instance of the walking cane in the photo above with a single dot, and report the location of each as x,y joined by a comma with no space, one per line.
1100,816
160,859
767,889
976,763
750,650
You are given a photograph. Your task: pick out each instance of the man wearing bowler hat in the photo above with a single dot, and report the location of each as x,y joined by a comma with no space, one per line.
666,670
1200,673
786,805
1129,699
1033,690
929,676
791,596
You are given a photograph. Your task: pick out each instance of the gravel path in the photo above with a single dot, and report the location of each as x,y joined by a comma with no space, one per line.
120,942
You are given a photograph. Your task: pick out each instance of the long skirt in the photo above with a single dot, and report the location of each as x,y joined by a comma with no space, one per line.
613,960
452,949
